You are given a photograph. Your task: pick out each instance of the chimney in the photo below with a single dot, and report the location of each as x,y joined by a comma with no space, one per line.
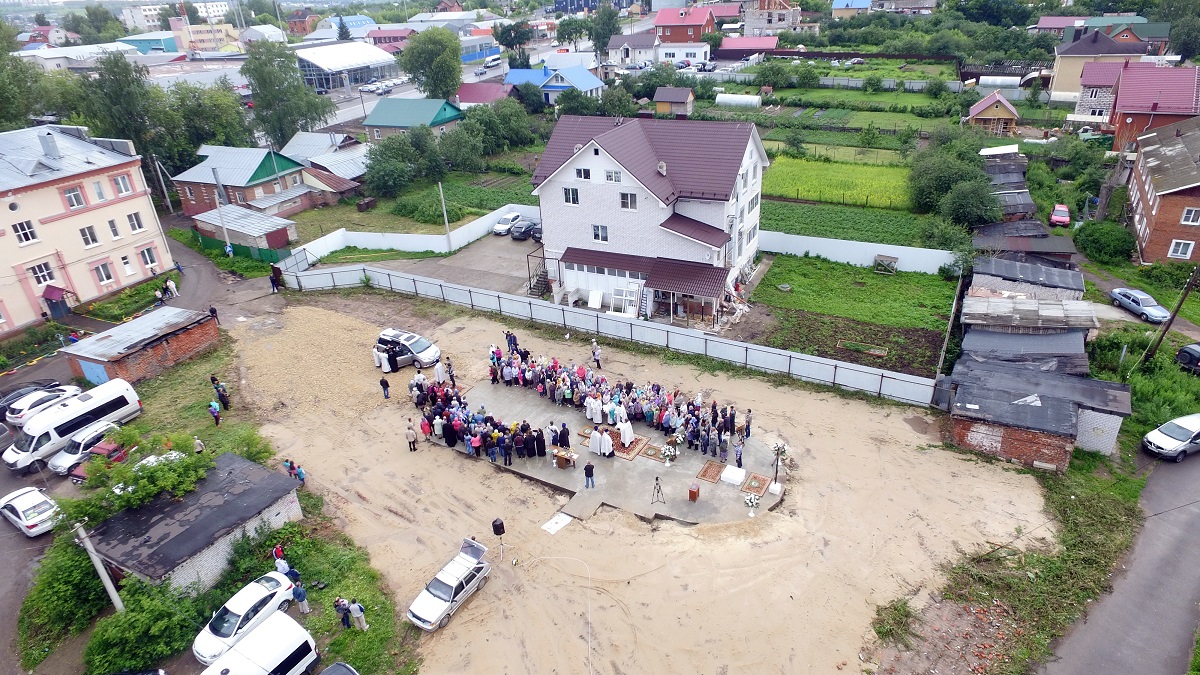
662,168
682,13
1154,106
49,146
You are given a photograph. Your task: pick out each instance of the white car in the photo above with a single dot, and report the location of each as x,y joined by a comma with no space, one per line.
399,348
505,224
450,588
79,448
243,612
31,404
31,511
152,460
404,79
367,88
554,43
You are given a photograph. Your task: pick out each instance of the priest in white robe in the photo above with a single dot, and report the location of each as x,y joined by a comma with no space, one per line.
596,441
626,430
606,444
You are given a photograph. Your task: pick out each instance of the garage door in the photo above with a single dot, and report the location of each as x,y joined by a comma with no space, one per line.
94,372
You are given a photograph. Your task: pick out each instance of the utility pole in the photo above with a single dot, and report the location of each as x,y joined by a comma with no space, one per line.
1187,288
162,185
220,190
445,218
104,578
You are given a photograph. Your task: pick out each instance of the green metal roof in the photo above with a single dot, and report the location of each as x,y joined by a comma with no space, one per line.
406,113
1157,29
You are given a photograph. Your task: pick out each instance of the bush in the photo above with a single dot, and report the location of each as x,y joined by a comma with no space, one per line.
1170,274
33,342
507,166
66,594
157,623
131,300
428,211
1105,242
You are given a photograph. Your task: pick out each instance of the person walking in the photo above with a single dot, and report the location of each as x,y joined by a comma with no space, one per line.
410,435
384,384
596,354
212,311
589,475
300,475
214,409
749,416
197,445
274,283
301,597
223,395
723,444
427,429
450,372
172,288
358,613
343,609
179,268
737,451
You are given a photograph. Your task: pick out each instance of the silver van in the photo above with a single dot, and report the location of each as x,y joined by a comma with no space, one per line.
278,646
51,429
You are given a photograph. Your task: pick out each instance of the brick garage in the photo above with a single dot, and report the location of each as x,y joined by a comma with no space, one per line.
144,347
1049,451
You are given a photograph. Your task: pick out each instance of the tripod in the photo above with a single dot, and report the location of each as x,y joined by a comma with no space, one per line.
657,495
501,548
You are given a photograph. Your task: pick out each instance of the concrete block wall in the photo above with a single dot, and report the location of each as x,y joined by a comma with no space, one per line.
910,259
1034,449
1098,431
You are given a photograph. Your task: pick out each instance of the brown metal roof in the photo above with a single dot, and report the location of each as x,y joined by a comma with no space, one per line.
694,229
689,278
702,158
331,181
1096,43
672,94
619,261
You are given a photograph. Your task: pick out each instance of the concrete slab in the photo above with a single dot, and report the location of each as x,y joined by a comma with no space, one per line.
493,263
621,483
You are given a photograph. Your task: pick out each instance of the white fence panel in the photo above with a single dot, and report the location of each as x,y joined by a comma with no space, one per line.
428,289
458,295
396,241
867,379
346,278
650,334
770,361
910,258
547,313
728,350
813,370
402,283
580,320
313,282
683,342
615,326
514,307
911,390
486,300
327,244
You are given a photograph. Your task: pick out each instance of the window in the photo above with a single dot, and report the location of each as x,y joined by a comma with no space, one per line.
296,177
669,55
1097,112
585,174
376,134
629,201
1191,216
25,232
1181,249
104,273
41,273
123,185
112,227
98,186
689,55
135,222
599,233
126,265
596,151
148,257
1093,93
753,203
74,197
241,197
569,266
571,195
190,194
89,236
612,176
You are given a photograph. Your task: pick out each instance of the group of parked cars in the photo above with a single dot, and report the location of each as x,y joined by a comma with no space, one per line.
383,87
519,228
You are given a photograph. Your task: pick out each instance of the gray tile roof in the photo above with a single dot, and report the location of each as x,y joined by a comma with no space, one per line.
24,161
1013,228
306,144
349,162
252,223
672,94
235,166
1047,245
643,40
1173,161
1030,273
270,200
124,339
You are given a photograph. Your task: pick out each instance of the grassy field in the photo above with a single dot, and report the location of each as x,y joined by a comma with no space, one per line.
843,222
853,184
847,154
316,223
354,254
835,138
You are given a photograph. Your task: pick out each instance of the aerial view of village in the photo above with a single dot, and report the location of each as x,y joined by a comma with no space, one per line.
598,336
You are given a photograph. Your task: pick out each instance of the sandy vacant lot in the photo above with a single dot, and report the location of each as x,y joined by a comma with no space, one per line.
870,514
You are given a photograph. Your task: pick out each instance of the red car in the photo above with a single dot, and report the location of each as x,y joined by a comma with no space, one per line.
110,453
1061,215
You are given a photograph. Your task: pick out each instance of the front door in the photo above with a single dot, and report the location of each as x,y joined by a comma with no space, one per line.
58,308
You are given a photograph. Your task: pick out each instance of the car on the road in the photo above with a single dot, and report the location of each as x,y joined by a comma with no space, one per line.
1140,304
13,393
1060,215
77,450
321,91
522,230
449,589
31,404
403,79
554,43
246,610
383,91
480,71
505,223
536,232
725,69
368,88
1174,440
400,348
30,510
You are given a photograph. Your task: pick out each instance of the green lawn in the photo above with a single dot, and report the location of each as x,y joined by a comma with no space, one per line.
896,120
316,223
850,184
902,300
843,222
354,254
828,138
842,153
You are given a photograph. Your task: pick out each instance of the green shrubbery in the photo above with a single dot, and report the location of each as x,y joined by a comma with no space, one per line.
424,210
246,267
1106,243
33,342
131,300
65,595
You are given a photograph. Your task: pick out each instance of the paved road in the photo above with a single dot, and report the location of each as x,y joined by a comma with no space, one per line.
1106,284
1146,625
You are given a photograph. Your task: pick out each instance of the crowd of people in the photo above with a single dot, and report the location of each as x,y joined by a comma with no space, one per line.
682,419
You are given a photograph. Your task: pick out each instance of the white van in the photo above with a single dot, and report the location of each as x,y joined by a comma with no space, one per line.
51,429
491,61
277,646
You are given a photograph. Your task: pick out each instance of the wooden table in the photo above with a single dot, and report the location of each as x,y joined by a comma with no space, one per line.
564,457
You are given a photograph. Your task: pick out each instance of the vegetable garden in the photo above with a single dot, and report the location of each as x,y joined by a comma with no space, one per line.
851,184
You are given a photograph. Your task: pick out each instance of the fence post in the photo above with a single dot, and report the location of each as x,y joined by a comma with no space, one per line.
332,281
442,290
564,316
470,298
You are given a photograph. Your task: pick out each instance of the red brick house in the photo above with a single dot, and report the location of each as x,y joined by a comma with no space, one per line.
143,347
246,174
302,21
682,25
1149,98
1164,192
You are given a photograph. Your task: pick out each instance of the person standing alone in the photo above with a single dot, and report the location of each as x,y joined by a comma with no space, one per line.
301,597
589,475
410,435
596,354
358,614
384,384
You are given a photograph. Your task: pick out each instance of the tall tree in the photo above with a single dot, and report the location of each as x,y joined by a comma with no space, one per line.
970,203
1185,37
40,19
572,29
94,26
574,102
343,29
390,166
606,22
283,104
616,102
171,11
463,149
514,37
514,123
18,78
117,98
432,59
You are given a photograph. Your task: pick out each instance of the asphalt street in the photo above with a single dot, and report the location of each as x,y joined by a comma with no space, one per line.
1147,624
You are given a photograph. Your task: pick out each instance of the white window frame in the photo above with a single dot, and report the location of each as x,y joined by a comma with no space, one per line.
583,174
42,273
377,134
114,230
190,195
629,201
571,196
296,177
135,221
88,234
127,265
25,236
613,176
600,233
104,273
1194,212
148,256
123,185
1179,251
98,188
74,194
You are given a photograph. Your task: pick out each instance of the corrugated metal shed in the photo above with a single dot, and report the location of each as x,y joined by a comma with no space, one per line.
1030,273
122,340
289,194
1013,228
1049,245
244,220
1021,313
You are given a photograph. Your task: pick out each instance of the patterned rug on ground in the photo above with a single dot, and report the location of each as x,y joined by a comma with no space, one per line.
463,389
653,452
756,484
634,448
711,471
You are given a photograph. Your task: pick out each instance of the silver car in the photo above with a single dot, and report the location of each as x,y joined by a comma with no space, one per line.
25,408
1174,440
450,588
1140,304
400,348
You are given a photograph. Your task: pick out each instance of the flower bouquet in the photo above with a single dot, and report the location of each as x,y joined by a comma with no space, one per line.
752,502
669,452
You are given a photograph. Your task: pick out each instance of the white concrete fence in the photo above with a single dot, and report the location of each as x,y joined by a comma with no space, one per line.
860,253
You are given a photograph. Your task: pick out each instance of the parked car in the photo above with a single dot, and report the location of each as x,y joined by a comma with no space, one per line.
30,510
152,460
15,392
680,65
77,450
368,88
321,91
505,224
1061,215
31,404
1140,303
278,646
466,573
104,451
554,43
1188,358
400,348
339,668
383,91
480,71
536,232
522,230
246,610
1174,440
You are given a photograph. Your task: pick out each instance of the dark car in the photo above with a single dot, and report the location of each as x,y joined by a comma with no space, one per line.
536,232
1188,358
321,91
522,230
14,393
339,668
383,91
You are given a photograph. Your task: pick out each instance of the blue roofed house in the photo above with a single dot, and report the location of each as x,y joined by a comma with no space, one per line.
352,22
158,41
846,9
554,82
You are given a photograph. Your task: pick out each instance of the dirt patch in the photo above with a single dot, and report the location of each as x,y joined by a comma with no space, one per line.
952,639
867,515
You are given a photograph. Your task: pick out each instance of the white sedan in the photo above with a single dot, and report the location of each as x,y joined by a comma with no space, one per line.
27,406
31,511
241,614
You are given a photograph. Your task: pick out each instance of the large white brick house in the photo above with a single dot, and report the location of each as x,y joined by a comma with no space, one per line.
658,216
